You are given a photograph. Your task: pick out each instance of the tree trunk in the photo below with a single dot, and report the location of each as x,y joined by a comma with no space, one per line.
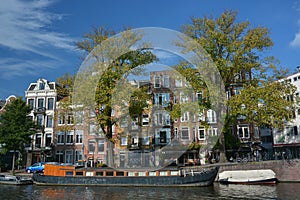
222,148
13,163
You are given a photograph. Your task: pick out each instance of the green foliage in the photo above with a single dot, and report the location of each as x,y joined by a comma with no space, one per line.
16,128
267,105
234,46
65,83
117,69
194,146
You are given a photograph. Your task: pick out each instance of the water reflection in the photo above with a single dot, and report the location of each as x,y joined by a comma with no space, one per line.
281,191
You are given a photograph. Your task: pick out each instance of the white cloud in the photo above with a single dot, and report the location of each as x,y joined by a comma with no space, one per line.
26,30
24,26
296,41
12,67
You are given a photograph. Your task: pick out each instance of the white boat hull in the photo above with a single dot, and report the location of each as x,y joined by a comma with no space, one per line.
264,176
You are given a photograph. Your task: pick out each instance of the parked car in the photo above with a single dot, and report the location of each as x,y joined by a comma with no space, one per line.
36,167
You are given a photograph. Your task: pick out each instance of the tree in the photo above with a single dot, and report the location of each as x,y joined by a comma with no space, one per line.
270,105
65,83
235,47
15,127
118,67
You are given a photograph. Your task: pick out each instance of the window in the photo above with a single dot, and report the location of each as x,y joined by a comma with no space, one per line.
185,117
39,120
201,133
79,117
134,123
41,86
162,119
124,123
40,103
199,96
79,136
183,98
256,132
134,140
69,156
69,137
91,147
49,121
70,119
166,81
145,120
162,99
157,82
60,138
243,131
185,135
162,136
78,155
213,131
176,132
50,104
60,156
61,119
178,82
146,140
101,146
174,99
48,139
123,140
93,129
38,140
291,130
31,103
211,116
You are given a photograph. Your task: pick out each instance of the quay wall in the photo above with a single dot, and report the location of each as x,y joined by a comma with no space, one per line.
286,170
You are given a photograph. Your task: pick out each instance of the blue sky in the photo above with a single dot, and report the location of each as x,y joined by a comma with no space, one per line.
37,37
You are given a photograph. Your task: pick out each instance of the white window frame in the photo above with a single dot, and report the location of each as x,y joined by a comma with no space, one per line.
79,136
243,128
211,116
70,137
184,117
200,135
213,131
166,81
124,141
101,142
188,133
60,138
69,156
157,81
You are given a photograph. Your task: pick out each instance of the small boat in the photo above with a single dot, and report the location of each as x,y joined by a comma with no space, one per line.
15,180
261,176
70,175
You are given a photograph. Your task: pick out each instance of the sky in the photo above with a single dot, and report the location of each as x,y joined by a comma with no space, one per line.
37,37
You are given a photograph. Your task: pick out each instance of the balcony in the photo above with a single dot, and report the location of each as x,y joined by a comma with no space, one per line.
41,110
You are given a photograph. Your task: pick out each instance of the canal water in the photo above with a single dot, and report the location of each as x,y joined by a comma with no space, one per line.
281,191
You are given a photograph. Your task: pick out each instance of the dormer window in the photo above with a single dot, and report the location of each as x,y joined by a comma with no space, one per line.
41,86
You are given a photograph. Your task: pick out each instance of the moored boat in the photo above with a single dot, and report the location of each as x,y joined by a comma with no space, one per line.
69,175
260,176
15,180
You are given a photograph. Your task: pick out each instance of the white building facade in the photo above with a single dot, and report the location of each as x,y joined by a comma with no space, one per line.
41,97
287,140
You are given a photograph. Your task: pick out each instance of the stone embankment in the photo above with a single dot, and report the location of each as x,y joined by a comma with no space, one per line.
286,170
